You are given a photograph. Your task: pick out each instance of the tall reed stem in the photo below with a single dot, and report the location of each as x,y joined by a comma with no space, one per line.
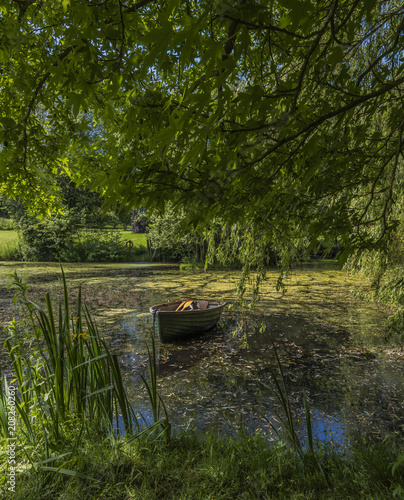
65,370
287,419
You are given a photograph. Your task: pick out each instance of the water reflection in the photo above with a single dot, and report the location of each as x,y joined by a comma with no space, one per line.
219,382
329,346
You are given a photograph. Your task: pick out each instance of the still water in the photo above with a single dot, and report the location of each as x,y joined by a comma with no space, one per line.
330,346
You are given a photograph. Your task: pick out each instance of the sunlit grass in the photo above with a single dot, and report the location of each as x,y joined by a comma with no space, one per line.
205,467
139,239
8,236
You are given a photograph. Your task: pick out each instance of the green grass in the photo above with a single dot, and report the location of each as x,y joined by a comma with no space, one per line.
9,246
75,457
139,239
139,243
64,370
67,393
8,237
195,467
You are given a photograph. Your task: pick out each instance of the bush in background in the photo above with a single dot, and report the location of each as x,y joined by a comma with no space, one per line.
95,246
45,240
169,241
6,224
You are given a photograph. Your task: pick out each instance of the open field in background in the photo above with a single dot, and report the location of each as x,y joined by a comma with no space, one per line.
93,245
8,236
137,238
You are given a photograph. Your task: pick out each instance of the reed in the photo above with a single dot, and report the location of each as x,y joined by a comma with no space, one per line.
287,419
66,375
157,403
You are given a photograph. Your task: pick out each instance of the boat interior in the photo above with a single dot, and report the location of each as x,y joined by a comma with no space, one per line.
189,305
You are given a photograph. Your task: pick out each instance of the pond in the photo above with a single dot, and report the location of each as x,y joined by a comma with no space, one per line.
330,345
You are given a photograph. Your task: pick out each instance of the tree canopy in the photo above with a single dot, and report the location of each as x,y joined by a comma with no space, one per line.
284,118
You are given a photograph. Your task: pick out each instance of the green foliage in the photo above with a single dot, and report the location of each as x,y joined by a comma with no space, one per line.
66,236
386,279
373,265
44,240
396,244
157,403
284,118
4,214
139,220
391,292
281,393
192,467
11,251
82,246
67,387
64,368
59,237
254,248
95,246
169,238
288,113
190,264
6,224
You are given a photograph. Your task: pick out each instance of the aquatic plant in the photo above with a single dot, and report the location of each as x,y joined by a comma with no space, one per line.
156,400
68,380
287,419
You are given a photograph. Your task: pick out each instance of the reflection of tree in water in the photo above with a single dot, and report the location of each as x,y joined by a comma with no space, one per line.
213,382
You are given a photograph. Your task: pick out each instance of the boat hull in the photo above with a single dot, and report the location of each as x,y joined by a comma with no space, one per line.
176,325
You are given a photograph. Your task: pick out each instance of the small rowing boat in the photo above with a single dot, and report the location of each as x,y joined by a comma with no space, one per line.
182,319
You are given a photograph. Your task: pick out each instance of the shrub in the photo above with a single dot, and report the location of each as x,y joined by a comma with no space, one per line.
168,239
6,224
44,240
95,246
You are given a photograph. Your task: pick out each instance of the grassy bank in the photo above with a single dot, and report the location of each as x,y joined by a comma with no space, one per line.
204,467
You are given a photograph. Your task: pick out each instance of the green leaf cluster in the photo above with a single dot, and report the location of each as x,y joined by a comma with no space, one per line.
283,117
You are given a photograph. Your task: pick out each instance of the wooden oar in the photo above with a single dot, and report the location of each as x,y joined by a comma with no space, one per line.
187,303
184,305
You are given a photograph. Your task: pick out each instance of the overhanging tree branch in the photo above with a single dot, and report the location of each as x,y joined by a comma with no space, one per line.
318,121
